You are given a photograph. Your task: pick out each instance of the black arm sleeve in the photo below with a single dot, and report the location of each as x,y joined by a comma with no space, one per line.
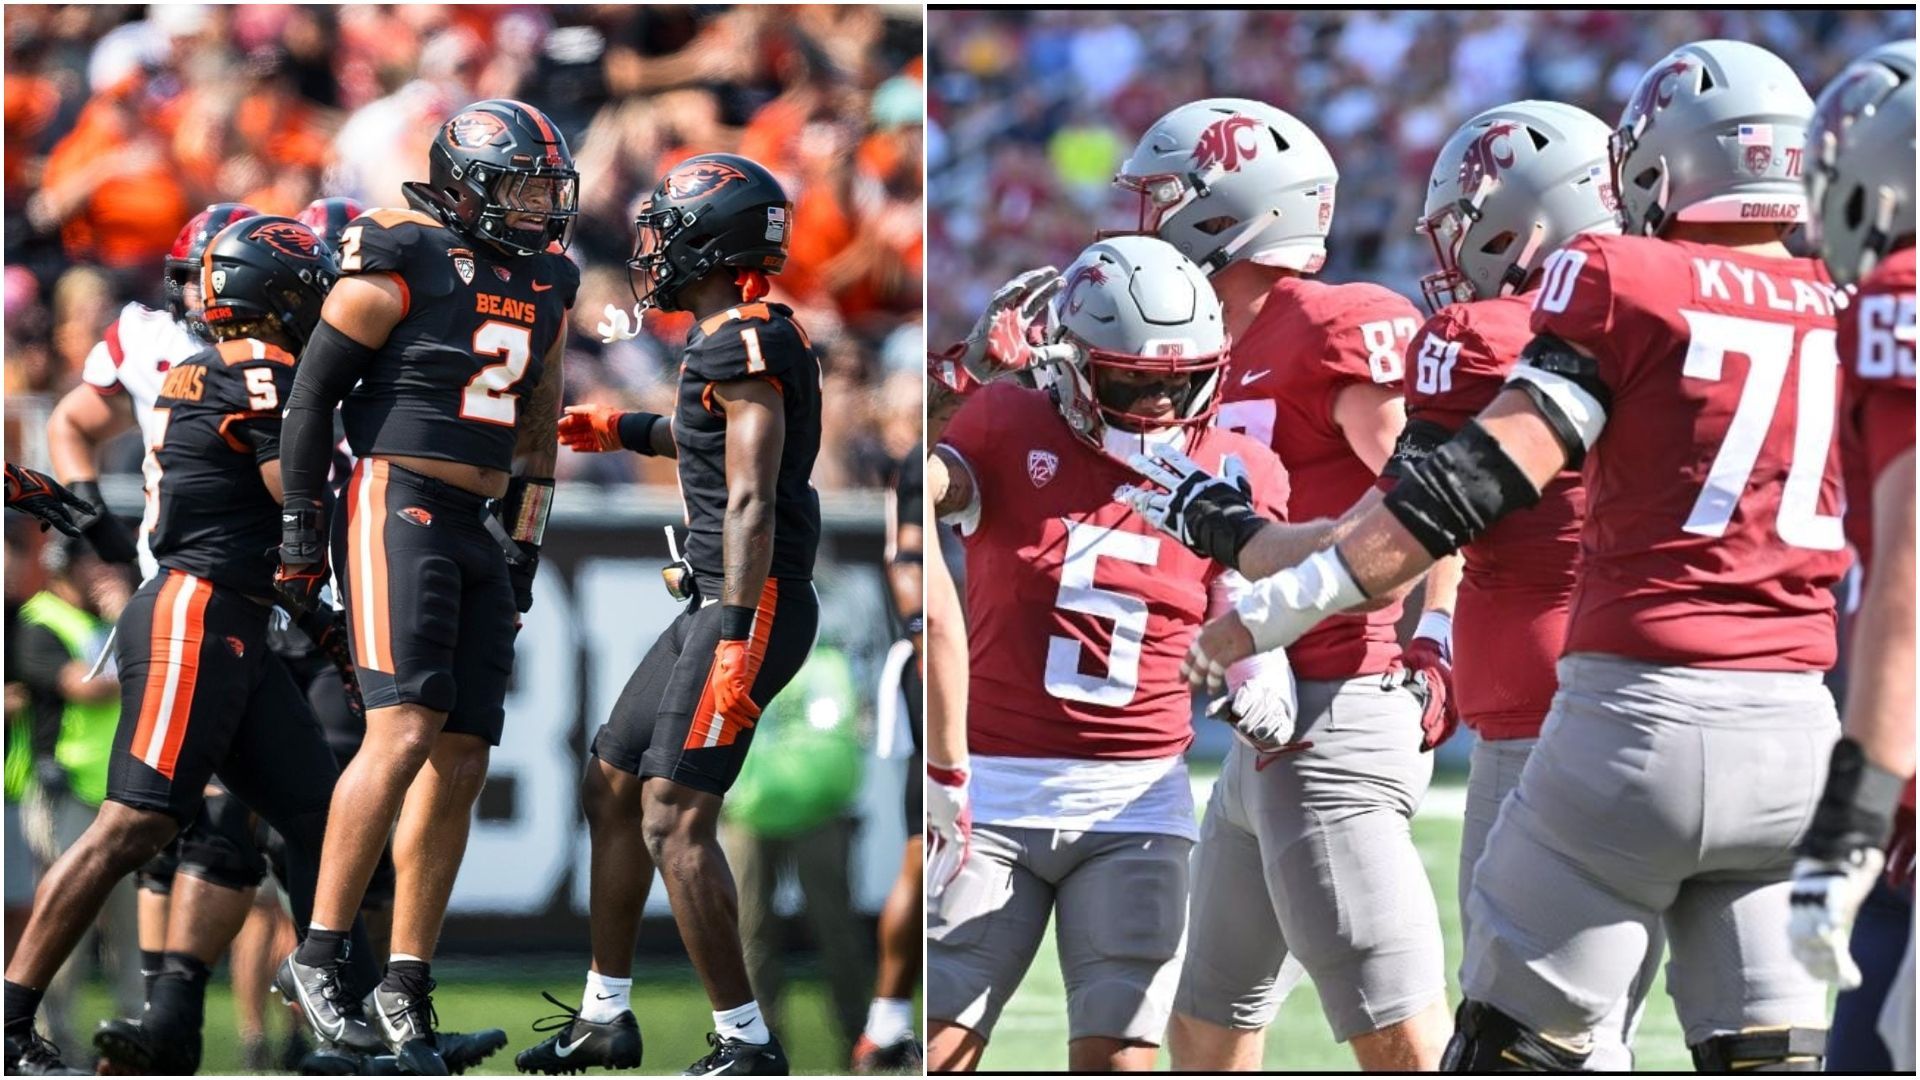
330,365
39,657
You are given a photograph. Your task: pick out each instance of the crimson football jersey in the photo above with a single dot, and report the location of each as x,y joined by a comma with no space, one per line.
1877,369
1310,341
1516,588
1078,610
1713,492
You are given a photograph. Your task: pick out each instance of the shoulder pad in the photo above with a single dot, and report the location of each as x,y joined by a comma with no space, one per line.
746,342
377,241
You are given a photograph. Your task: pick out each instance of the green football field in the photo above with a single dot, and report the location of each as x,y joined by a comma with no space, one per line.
673,1014
1032,1033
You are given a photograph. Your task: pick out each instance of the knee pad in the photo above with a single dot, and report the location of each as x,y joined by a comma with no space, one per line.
1769,1049
221,847
1487,1040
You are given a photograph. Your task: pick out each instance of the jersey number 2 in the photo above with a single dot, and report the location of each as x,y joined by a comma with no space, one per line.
1086,544
486,398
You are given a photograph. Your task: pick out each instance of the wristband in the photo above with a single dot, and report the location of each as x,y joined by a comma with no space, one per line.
736,622
636,431
1279,609
1856,809
524,510
1436,625
946,777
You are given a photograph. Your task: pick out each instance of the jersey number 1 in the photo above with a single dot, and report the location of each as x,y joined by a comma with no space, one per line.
486,398
1086,544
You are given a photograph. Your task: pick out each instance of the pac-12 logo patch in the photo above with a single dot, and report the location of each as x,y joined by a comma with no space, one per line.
1042,467
417,515
237,647
464,267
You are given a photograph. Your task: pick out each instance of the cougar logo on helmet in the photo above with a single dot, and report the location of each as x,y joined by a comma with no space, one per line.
702,178
1657,89
1088,273
1227,142
471,129
1486,156
288,238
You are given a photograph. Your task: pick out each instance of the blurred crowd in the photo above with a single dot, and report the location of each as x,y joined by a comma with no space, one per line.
1033,111
122,121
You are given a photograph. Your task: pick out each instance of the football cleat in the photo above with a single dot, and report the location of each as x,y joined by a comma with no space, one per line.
332,1014
737,1057
578,1045
902,1056
463,1050
406,1022
129,1047
30,1055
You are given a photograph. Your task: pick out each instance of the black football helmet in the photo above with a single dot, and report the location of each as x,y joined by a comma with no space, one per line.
328,217
267,268
496,161
710,211
183,259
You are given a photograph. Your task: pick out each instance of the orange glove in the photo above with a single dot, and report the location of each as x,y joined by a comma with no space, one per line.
732,682
591,429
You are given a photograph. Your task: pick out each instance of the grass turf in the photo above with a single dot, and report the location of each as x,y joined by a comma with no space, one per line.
673,1013
1032,1033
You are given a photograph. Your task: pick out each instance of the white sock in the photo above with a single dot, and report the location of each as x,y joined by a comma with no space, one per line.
604,999
743,1023
889,1020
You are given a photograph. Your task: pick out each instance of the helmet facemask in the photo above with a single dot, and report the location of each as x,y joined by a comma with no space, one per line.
528,212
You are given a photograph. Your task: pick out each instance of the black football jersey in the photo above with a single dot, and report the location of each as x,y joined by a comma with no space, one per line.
747,342
219,422
449,381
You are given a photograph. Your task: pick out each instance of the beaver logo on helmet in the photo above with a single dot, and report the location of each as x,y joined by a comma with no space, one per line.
472,129
1227,142
288,238
702,178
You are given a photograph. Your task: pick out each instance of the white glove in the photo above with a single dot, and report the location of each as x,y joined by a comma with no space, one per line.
1185,483
1262,703
997,346
617,326
949,827
1279,609
1826,896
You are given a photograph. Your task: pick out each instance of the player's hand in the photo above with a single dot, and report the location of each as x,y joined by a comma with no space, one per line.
1827,894
42,496
1219,645
326,627
949,827
1428,659
591,429
999,345
1262,703
302,573
1211,516
732,682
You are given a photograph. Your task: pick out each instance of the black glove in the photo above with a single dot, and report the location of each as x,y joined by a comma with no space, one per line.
520,571
326,627
110,539
302,573
42,496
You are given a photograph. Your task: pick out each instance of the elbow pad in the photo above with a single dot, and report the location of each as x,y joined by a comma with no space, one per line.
1459,491
1566,387
1417,441
329,366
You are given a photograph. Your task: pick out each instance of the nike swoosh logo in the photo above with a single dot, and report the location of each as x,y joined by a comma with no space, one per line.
567,1049
1248,378
537,287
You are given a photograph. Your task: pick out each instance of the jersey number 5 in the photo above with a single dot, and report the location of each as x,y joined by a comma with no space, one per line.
486,398
1085,545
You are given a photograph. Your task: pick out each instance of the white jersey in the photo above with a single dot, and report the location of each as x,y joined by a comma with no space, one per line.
132,357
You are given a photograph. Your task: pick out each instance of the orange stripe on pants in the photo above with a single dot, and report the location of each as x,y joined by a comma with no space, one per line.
173,669
367,567
709,728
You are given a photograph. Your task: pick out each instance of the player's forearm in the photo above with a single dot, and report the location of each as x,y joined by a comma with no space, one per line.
1880,688
329,367
746,536
942,403
537,443
946,666
1382,555
1443,585
81,421
1279,545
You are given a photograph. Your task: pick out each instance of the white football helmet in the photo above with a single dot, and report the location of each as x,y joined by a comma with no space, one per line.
1860,150
1227,179
1713,132
1133,304
1512,185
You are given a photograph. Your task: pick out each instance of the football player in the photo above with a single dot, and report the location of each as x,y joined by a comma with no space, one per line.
745,433
1860,190
888,1044
1690,715
444,340
201,692
1247,192
1509,188
1077,612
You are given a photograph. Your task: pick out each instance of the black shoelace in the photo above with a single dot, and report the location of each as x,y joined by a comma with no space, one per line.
719,1052
39,1050
419,1008
560,1022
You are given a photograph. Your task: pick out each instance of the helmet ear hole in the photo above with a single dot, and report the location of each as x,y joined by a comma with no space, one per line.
1214,226
1855,210
1706,79
1646,179
1498,245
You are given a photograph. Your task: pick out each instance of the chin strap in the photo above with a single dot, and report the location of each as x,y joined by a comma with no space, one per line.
753,285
